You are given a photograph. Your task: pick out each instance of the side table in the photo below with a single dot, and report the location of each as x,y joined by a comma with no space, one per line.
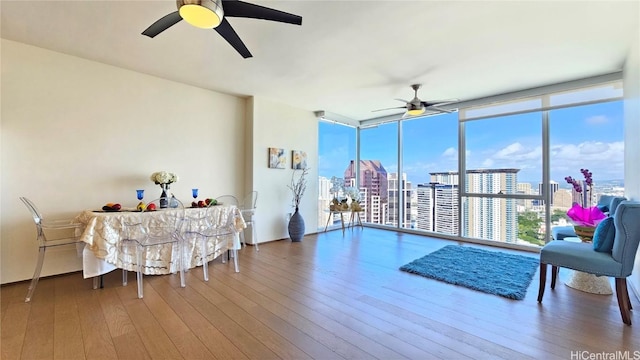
587,282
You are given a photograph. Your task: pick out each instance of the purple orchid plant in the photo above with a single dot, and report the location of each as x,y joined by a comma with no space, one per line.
584,214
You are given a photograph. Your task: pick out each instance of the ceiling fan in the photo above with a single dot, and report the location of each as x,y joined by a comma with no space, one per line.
212,14
418,107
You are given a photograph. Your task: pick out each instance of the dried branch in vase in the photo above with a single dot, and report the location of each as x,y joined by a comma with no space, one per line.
298,186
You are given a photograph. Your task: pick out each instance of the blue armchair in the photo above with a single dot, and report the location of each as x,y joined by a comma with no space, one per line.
582,257
606,203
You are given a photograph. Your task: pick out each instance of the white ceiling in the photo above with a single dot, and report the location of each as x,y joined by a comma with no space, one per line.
348,57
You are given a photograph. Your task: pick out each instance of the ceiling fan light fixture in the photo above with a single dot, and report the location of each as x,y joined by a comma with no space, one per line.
204,14
415,110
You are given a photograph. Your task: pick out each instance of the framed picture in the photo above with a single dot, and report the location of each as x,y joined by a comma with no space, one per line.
298,160
277,158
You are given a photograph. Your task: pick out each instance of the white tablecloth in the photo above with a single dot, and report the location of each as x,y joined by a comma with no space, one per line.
102,237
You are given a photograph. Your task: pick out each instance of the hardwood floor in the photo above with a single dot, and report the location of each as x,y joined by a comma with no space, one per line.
327,297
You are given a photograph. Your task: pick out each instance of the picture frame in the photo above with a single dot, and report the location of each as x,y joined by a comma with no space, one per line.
277,158
298,159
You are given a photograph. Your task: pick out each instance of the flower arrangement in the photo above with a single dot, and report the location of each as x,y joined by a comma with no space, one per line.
163,178
583,214
588,185
298,187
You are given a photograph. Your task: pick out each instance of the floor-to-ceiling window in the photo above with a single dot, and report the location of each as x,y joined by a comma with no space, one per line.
336,149
587,137
518,153
503,159
378,173
430,162
514,149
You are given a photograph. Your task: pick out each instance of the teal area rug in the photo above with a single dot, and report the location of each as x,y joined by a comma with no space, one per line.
493,272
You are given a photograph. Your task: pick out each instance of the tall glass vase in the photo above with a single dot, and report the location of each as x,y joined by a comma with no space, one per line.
164,199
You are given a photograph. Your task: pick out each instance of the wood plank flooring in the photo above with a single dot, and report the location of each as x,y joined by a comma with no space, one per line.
331,296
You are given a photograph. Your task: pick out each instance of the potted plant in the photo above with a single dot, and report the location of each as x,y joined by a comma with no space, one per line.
584,216
297,187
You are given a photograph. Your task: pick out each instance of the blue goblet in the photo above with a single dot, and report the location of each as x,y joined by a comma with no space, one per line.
140,194
194,193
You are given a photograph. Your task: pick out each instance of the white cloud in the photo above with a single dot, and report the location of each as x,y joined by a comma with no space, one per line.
451,153
588,148
604,160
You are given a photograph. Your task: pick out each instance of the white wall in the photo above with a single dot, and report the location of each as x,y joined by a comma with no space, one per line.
77,134
282,126
631,136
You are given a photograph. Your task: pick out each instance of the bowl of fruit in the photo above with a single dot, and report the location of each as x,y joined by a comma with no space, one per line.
111,207
204,203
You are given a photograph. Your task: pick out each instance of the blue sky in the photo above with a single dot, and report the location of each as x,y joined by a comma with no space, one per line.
589,136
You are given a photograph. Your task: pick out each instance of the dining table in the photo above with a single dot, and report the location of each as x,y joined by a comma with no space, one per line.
102,237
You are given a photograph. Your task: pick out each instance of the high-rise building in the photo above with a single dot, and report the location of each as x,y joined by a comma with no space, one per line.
437,208
448,177
562,199
374,187
487,218
524,189
410,212
491,218
554,186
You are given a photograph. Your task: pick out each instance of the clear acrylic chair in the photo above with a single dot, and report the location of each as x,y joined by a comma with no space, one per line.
248,211
153,238
203,227
66,233
227,200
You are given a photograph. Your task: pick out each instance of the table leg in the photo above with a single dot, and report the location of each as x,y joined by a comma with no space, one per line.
329,219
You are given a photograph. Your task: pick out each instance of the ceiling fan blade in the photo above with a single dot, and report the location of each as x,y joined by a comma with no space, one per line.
162,24
399,107
439,102
235,8
404,101
226,31
433,107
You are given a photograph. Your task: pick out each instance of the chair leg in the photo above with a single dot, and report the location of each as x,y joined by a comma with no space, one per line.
125,247
623,300
98,282
254,234
543,280
181,263
235,259
36,274
205,264
554,276
139,272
